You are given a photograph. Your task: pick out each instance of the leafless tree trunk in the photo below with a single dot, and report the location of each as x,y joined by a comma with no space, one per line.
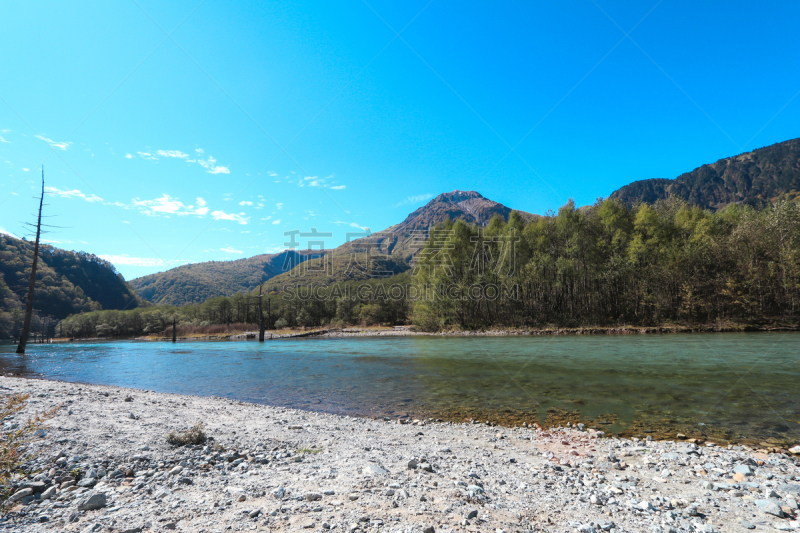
260,317
26,325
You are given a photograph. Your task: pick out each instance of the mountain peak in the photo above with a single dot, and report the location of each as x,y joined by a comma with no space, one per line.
457,196
469,206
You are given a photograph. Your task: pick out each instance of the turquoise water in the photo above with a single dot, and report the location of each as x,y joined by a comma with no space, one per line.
724,386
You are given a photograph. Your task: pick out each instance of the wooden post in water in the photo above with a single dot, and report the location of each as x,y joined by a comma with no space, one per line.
174,330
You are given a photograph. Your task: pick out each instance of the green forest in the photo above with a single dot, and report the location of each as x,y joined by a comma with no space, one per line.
602,265
66,283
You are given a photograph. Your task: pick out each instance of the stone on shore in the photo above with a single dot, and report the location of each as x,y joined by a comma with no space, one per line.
92,501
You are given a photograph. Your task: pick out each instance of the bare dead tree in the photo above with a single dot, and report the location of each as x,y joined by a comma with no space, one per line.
26,325
260,316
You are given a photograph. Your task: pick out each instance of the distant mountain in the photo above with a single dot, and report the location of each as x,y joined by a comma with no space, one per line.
393,247
403,240
393,250
67,283
198,282
754,178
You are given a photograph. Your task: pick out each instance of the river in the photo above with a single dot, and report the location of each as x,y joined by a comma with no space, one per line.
728,387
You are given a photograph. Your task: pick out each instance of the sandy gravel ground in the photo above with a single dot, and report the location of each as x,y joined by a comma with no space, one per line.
105,465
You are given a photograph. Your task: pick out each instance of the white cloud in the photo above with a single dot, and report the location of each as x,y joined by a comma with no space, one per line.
279,205
362,228
25,169
201,202
172,153
222,215
5,131
6,232
167,205
54,144
2,140
316,181
272,174
125,259
276,221
414,199
128,156
74,193
210,164
244,202
230,250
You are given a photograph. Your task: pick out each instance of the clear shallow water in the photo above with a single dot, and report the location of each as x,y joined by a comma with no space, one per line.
724,386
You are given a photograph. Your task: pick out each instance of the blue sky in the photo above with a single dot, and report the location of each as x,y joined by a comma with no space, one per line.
190,131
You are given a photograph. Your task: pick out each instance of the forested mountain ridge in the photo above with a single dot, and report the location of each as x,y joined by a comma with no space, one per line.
404,240
608,265
755,178
67,283
197,282
393,250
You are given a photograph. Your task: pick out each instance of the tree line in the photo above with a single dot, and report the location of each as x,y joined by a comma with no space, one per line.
602,265
66,283
303,308
608,264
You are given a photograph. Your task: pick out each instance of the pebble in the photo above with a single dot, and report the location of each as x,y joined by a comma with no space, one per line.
20,494
771,507
91,501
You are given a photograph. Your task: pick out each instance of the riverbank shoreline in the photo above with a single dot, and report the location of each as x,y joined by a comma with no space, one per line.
280,469
404,331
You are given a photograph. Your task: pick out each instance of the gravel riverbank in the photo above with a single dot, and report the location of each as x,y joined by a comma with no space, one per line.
105,465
